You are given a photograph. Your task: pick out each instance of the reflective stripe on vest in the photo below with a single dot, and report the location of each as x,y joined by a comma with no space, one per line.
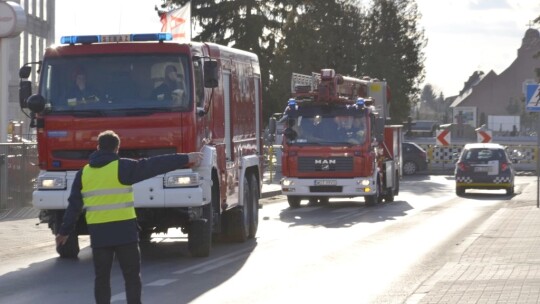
105,198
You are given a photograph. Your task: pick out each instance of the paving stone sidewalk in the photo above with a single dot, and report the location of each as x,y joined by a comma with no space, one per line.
501,265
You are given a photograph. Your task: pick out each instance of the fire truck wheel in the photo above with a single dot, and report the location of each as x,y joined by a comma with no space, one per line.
294,201
371,200
238,218
253,206
145,234
389,197
71,248
200,238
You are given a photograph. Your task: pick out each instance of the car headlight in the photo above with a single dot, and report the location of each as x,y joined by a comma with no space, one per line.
51,183
181,180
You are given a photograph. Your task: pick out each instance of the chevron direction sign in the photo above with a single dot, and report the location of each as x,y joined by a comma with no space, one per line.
484,136
443,137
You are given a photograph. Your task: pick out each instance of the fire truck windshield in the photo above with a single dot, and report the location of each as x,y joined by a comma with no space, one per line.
99,84
325,130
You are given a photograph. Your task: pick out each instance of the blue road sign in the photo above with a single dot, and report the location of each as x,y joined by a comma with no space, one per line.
533,98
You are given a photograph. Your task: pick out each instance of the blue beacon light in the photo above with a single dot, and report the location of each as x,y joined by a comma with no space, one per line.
87,39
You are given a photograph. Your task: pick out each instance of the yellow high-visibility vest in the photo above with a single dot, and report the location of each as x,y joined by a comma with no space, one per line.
105,198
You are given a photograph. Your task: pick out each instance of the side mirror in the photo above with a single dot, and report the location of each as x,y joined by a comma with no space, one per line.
24,72
36,103
211,77
25,90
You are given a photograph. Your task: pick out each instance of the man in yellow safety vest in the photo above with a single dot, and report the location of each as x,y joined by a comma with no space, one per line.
104,189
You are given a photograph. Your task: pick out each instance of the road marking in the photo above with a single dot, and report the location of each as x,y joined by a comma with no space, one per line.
213,261
161,282
221,263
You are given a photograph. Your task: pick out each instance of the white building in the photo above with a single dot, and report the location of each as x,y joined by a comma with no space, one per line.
29,46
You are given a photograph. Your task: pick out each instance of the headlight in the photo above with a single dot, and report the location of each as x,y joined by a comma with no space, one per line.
287,182
51,183
181,180
364,182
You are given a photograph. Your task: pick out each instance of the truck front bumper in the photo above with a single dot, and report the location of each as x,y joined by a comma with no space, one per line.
334,187
150,193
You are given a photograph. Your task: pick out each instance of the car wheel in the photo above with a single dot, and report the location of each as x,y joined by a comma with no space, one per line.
409,168
460,191
510,190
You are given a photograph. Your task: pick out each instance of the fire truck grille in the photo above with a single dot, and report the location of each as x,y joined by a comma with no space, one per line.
319,164
320,189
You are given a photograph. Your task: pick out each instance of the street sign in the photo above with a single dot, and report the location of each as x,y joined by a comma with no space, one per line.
443,137
484,136
533,98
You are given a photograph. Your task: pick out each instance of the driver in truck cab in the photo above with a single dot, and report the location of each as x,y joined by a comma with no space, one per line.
172,88
80,91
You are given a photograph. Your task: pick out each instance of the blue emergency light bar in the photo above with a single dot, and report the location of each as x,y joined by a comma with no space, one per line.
87,39
292,102
360,102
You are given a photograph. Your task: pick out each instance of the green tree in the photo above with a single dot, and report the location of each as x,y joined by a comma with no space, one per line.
316,34
394,46
250,25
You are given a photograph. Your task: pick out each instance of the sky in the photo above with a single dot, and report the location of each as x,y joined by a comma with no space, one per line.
463,35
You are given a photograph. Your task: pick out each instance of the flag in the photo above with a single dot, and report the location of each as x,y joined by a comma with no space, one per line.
178,23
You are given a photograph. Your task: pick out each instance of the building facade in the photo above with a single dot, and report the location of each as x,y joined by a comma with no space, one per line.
29,46
500,97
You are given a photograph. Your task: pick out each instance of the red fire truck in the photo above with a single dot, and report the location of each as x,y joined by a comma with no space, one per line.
336,143
216,109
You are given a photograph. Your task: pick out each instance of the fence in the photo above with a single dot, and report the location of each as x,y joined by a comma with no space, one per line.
18,170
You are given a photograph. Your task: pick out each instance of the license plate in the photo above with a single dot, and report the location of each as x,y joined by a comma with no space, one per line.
325,182
481,169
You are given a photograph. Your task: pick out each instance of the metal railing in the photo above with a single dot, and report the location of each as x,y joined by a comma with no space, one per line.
18,170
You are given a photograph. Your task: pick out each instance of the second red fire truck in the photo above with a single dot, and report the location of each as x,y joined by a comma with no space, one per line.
336,142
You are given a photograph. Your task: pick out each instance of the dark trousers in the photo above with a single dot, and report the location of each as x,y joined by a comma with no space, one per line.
129,258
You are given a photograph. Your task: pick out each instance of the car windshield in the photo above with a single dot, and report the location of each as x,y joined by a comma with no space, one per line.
99,84
324,130
483,154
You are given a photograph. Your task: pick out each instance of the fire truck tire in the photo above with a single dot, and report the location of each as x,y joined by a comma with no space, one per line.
253,206
238,219
371,200
294,201
71,248
389,197
200,238
396,190
145,234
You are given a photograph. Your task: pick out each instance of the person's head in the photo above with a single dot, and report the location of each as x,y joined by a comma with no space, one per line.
108,141
358,122
171,74
79,77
